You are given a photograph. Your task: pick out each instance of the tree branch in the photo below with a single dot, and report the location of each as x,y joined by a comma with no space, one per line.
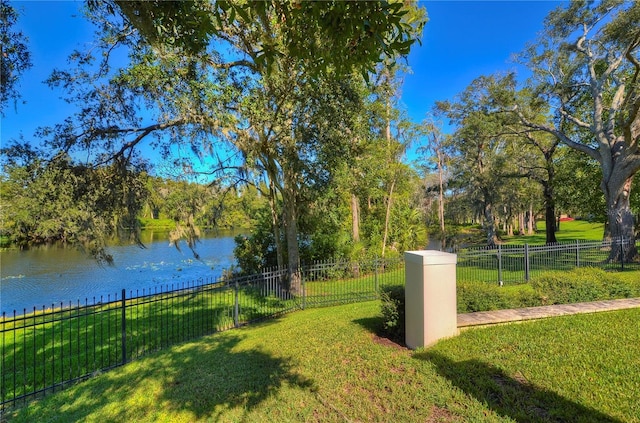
591,152
235,63
575,120
634,109
143,132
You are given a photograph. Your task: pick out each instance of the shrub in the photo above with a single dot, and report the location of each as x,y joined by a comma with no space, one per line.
392,308
558,287
479,296
525,298
578,285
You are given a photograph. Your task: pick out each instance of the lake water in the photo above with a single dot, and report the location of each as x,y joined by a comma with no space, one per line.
51,275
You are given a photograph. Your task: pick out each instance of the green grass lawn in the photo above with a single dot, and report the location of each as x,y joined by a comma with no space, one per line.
327,364
569,231
39,351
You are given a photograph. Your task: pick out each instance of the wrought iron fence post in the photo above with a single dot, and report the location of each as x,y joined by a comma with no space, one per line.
621,252
577,253
236,307
526,262
375,273
124,328
304,292
500,265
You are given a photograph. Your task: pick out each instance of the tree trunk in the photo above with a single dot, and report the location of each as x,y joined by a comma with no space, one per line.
521,226
441,211
387,216
549,213
355,218
532,221
393,181
620,219
355,228
443,232
490,226
275,224
441,194
293,253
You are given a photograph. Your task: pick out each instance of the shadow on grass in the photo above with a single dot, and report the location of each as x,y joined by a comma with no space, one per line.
375,325
512,397
204,379
372,324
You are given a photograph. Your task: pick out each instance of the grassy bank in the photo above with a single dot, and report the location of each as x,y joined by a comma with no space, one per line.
158,224
170,224
328,365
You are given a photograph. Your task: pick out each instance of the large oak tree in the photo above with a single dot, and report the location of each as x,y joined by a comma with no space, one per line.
196,73
586,68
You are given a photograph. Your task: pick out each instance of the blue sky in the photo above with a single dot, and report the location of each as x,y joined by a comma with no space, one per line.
461,41
466,39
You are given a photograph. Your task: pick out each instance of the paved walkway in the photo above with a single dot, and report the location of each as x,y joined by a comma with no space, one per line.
482,318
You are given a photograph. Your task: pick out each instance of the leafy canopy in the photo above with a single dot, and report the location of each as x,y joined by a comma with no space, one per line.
14,54
348,35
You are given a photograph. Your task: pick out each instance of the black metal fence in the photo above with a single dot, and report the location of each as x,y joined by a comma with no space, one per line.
520,263
45,349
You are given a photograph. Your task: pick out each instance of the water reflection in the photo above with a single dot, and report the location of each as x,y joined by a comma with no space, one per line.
49,275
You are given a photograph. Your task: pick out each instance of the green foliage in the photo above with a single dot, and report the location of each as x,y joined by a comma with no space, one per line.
584,284
486,165
408,230
585,68
482,296
150,223
85,206
558,287
14,54
473,297
577,193
324,230
172,201
236,208
61,201
392,308
320,239
361,34
258,250
270,92
185,25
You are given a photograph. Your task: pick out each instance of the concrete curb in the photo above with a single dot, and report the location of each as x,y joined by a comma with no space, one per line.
483,318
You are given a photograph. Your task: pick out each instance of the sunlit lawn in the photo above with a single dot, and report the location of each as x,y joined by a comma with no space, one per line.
569,231
327,365
40,350
49,353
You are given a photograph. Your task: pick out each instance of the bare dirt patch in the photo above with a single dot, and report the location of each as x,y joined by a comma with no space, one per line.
388,342
442,415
